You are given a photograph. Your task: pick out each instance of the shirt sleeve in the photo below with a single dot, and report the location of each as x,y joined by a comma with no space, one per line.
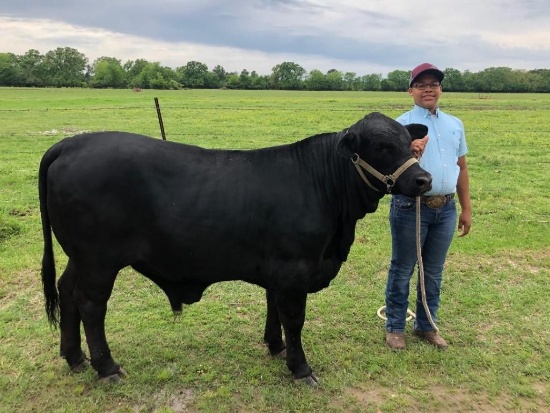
463,147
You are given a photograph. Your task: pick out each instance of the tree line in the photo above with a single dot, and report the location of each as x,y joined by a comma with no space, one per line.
67,67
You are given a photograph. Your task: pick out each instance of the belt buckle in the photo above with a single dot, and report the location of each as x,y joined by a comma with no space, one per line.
436,201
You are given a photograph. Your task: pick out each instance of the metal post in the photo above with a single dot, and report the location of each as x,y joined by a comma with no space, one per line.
160,119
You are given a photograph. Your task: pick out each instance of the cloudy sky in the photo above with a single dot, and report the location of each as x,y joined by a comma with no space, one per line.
359,36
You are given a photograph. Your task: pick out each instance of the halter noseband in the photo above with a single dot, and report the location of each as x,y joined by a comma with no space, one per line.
389,180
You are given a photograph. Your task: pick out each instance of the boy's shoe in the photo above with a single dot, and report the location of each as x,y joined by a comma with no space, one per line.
395,341
432,337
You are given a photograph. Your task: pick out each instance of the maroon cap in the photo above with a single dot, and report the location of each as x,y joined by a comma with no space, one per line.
425,68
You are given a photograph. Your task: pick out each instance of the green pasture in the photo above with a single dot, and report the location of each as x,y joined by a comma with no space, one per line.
496,291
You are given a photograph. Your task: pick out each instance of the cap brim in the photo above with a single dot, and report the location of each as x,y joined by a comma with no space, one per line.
437,73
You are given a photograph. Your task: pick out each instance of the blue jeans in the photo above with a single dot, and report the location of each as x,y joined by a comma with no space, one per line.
438,228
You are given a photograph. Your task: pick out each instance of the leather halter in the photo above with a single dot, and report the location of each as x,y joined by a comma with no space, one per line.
389,180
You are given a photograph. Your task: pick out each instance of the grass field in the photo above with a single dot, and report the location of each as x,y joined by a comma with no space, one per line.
496,289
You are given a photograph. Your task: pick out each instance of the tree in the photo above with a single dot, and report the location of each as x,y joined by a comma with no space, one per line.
453,80
540,80
193,75
32,68
9,71
68,67
349,81
65,67
371,82
287,76
258,82
495,79
316,80
155,76
232,80
469,79
521,82
334,80
133,69
244,80
212,81
221,75
108,73
398,80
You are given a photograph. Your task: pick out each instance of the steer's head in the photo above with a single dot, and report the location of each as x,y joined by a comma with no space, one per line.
380,148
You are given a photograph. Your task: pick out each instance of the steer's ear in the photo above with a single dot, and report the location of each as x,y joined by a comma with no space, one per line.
416,130
348,144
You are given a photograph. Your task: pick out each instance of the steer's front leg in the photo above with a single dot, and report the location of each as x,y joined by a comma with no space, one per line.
292,313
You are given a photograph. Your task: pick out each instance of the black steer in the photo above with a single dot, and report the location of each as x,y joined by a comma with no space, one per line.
185,217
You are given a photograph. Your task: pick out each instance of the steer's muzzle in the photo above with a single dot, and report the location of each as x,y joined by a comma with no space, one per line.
424,182
421,183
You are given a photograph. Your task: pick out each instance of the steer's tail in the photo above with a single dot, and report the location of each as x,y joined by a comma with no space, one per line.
48,262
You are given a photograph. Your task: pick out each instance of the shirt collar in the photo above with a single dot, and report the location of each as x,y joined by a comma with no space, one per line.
423,112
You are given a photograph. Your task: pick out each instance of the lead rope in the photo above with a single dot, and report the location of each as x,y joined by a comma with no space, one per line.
421,265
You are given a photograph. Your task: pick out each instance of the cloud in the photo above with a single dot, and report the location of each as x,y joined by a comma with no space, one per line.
348,35
45,35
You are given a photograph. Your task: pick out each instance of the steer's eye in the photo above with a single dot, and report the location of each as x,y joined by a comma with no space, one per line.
383,147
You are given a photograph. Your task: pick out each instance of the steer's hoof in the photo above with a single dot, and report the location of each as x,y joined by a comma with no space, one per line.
80,367
114,378
311,380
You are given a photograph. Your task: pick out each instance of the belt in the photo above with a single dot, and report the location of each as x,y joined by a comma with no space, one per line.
436,201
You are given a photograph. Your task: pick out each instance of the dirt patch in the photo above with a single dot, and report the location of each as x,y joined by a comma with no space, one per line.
532,263
374,398
23,283
66,131
177,402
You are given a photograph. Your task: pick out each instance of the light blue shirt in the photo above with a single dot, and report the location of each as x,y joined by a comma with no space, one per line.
446,144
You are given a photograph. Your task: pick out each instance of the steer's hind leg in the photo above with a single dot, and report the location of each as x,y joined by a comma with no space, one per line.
92,292
70,346
273,335
292,313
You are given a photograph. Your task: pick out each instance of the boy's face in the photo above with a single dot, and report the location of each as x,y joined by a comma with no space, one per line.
425,91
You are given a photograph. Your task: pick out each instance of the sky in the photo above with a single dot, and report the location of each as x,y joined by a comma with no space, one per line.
359,36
